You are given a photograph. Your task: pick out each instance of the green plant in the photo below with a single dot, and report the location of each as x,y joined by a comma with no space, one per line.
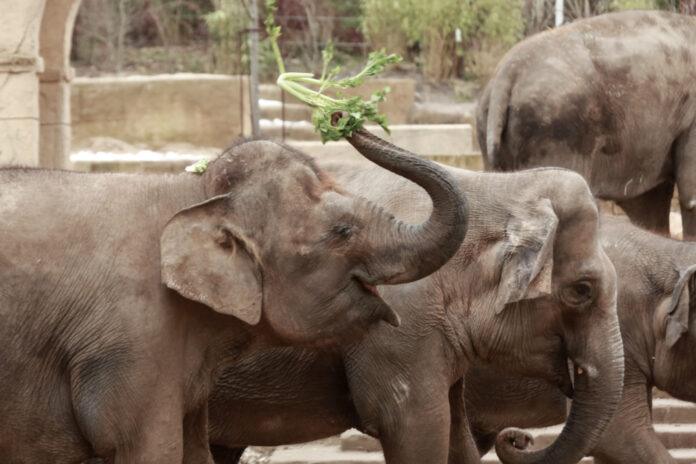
431,27
225,26
324,106
387,23
490,28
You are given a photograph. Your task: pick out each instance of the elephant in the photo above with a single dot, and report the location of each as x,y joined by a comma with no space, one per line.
530,288
656,301
123,296
612,97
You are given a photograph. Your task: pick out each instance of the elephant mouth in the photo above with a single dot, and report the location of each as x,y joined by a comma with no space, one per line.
370,288
381,310
565,382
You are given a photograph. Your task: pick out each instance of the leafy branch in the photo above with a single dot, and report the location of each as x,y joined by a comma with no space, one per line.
295,83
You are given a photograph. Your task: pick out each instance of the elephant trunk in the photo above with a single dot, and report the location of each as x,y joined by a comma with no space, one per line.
597,393
415,251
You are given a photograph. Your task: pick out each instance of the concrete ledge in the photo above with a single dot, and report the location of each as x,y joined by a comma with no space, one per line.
322,454
423,139
353,440
202,109
439,146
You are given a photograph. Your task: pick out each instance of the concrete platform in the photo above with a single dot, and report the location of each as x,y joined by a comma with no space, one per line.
323,454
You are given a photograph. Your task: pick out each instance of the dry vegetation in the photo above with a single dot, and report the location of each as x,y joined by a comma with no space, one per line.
440,39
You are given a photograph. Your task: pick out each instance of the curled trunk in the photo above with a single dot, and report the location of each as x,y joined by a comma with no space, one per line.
410,252
597,393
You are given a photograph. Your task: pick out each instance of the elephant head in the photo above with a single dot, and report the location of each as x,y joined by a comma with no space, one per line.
674,325
537,290
555,305
279,242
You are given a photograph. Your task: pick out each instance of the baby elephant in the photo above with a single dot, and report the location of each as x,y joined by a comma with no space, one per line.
656,301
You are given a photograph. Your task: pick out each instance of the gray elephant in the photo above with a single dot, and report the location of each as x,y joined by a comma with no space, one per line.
612,97
656,301
122,297
529,288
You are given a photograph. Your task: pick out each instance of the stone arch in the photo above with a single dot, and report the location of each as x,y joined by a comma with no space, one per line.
55,41
35,45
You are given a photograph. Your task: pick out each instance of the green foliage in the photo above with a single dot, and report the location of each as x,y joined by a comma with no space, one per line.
618,5
324,106
224,27
430,27
199,167
389,24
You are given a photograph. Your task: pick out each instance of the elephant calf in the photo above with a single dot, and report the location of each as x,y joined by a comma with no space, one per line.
122,297
612,97
529,288
656,301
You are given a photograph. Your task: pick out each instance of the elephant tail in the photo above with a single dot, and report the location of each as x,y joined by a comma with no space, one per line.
498,103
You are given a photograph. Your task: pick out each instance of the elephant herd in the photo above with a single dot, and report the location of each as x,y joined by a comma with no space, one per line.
274,299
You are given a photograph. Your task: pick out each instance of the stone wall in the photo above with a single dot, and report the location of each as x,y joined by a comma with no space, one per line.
201,109
19,85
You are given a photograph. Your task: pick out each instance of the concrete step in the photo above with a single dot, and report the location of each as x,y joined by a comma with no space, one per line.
675,436
670,410
492,458
671,435
682,456
294,130
322,454
273,109
353,440
272,92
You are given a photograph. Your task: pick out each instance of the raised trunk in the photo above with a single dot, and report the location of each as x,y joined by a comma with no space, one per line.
411,252
597,394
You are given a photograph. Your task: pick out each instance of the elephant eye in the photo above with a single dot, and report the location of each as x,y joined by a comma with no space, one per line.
578,293
344,231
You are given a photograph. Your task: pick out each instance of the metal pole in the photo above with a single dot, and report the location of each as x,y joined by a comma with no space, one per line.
559,12
282,114
240,74
254,67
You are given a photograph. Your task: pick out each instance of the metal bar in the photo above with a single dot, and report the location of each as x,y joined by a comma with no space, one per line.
254,68
282,114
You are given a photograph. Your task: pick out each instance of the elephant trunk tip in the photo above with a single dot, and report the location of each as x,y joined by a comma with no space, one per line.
511,446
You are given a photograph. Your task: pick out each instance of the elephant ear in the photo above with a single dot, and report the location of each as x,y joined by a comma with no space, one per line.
677,322
206,258
527,255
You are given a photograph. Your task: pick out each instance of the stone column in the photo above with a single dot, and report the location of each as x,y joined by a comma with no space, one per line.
19,84
55,42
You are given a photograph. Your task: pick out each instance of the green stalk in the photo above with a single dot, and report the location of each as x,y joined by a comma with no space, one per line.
324,106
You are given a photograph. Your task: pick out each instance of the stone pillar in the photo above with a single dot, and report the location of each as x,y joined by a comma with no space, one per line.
55,42
19,84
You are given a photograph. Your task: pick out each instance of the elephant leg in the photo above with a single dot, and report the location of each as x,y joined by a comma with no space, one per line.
630,437
420,431
685,156
128,423
406,403
196,441
462,448
651,209
224,455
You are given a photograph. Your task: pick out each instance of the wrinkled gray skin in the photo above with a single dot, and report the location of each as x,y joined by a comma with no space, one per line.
529,287
656,305
612,97
122,297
